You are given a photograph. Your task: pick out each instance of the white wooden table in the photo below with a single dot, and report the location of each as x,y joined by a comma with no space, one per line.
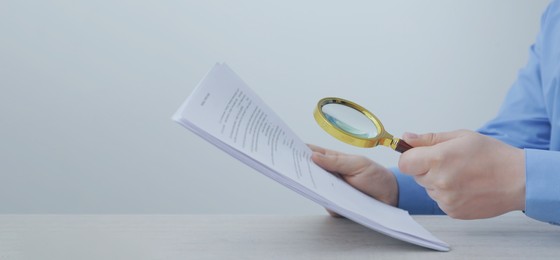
262,237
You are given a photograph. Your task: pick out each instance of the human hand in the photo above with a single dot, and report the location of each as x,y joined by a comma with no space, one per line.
469,175
360,172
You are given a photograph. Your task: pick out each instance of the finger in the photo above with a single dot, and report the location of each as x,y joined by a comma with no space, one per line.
316,148
424,181
429,139
341,163
427,185
417,161
433,194
321,150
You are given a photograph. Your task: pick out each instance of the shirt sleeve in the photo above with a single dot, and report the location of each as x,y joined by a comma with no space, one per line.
542,185
522,122
525,121
413,197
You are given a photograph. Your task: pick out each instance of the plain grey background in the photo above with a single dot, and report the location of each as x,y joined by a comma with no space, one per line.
88,88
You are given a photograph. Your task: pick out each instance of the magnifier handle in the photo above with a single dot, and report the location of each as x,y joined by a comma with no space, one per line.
402,146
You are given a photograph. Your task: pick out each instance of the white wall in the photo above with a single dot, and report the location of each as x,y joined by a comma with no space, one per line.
88,88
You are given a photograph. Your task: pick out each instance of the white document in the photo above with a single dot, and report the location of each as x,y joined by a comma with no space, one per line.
224,111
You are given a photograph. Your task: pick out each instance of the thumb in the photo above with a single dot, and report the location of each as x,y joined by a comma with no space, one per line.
429,139
340,163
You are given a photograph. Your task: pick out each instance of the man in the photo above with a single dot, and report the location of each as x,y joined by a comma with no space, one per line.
511,163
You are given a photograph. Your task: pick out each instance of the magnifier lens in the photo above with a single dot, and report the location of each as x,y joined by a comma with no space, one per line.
349,120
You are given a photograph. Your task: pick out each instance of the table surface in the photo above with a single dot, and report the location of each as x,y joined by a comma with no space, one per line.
262,237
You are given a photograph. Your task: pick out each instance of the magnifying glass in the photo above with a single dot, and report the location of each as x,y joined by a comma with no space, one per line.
354,125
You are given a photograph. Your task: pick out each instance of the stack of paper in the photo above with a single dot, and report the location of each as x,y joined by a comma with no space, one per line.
227,113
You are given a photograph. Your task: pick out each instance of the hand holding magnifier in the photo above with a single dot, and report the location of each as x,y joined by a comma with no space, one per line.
355,125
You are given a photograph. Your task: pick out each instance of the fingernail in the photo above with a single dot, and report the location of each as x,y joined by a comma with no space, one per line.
409,136
318,154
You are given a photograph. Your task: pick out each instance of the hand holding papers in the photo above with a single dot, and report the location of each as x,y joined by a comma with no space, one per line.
224,111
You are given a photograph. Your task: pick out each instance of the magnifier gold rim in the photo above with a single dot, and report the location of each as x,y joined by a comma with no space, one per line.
382,136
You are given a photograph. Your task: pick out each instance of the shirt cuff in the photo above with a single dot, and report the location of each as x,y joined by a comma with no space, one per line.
413,197
542,185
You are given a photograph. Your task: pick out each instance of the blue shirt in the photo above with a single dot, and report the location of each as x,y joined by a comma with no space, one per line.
529,119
